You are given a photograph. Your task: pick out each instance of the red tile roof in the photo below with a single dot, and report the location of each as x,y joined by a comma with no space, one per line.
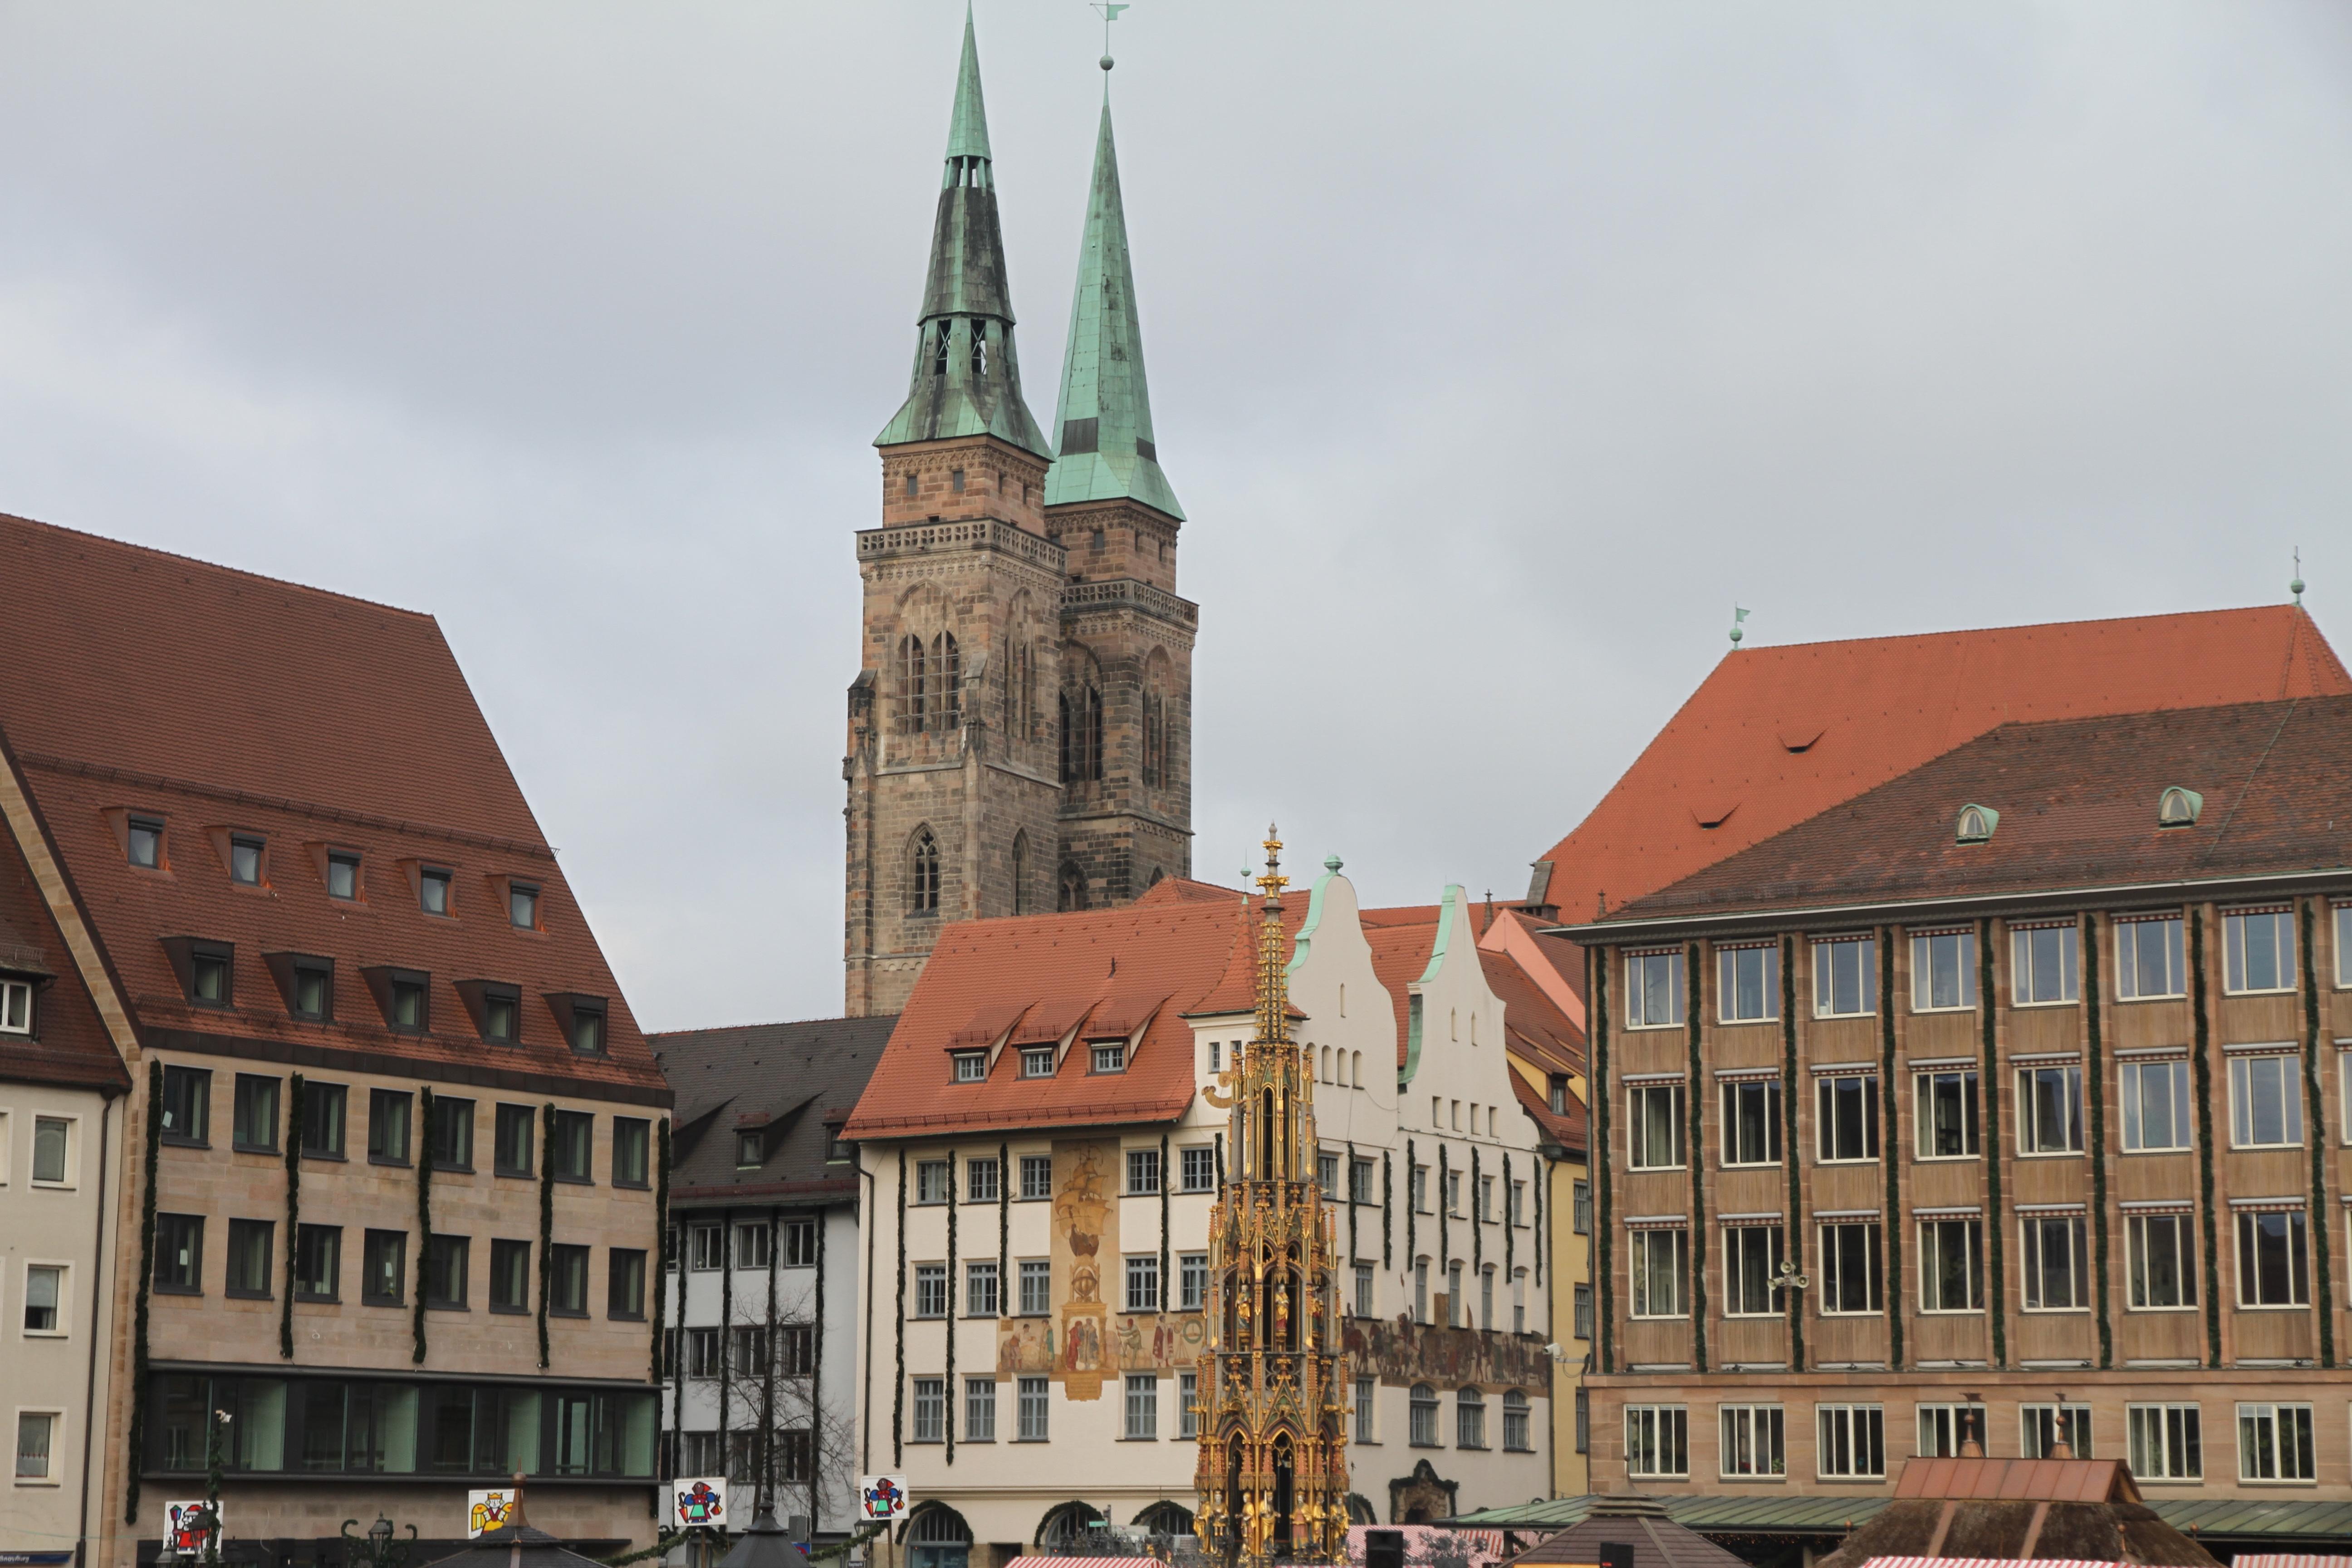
218,699
1775,735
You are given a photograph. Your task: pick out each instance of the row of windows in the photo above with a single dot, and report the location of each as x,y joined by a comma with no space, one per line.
516,1129
1037,1061
147,846
2166,1441
2271,1257
983,1176
1141,1412
752,1244
2265,1111
2258,956
317,1271
747,1351
748,1454
403,998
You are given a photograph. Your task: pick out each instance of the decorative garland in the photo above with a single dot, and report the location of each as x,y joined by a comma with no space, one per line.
2316,1118
294,1135
1538,1176
816,1366
1597,987
864,1533
2201,1073
898,1381
138,1440
1794,1251
1004,1228
1166,1178
547,1226
725,1321
948,1403
1694,1103
1510,1222
660,1548
1412,1209
1352,1201
1888,1123
424,1151
1388,1197
1989,1086
659,1284
1477,1222
1221,1160
768,1377
2088,942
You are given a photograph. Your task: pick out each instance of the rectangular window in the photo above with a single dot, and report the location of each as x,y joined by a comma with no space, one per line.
1579,1214
445,1258
571,1144
510,1276
930,1289
251,1244
383,1269
2042,960
1751,1445
2050,1108
2055,1263
1367,1406
2148,959
1192,1282
1036,1176
502,1013
1852,1441
971,1067
1142,1406
1033,1394
1142,1173
932,1183
979,1410
1143,1283
514,1133
2274,1443
1416,1189
388,1125
1845,978
625,1283
631,1140
1658,1440
747,1349
52,1148
187,1105
1421,1290
1326,1176
1188,1405
432,891
1951,1266
211,974
2265,1102
1469,1419
931,1413
407,1004
2167,1442
36,1438
449,1142
15,1007
1943,971
1752,1260
702,1353
1751,1122
1454,1194
1946,1114
1036,1287
983,1181
342,875
2041,1427
2257,950
45,1293
1198,1165
322,1119
1850,1270
1038,1062
2161,1260
1659,1262
1654,1126
1364,1301
706,1246
1360,1181
256,1114
522,905
2272,1270
800,1242
1454,1303
314,989
319,1263
1514,1423
146,836
1110,1057
796,1349
1943,1427
1748,982
180,1253
1583,1320
2155,1106
980,1292
1654,990
1846,1114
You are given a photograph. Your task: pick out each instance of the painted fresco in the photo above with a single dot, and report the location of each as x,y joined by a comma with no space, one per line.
1401,1352
1158,1341
1085,1231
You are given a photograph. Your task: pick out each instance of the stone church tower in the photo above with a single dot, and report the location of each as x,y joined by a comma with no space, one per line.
1019,728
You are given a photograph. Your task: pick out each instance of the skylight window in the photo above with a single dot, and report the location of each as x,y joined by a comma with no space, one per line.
2178,807
1977,824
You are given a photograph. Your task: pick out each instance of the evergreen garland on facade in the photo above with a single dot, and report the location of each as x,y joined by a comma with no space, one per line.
899,1379
1445,1237
1794,1249
1694,1103
151,1158
1887,1122
2088,942
1538,1175
294,1116
1989,1086
816,1367
1004,1299
1478,1222
1510,1223
1167,1178
659,1284
1387,1195
2315,1117
1351,1203
2201,1072
1603,1237
423,1149
1412,1209
547,1223
948,1403
766,1446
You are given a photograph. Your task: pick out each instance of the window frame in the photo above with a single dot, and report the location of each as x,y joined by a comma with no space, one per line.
1667,1436
1926,1089
1034,1397
241,1235
983,1179
1139,1407
2138,1223
1754,1420
1971,1229
933,1297
1734,1151
1636,982
1956,1418
505,1120
2243,1092
2247,1225
2036,1229
2030,1135
632,1138
196,1086
509,1255
2276,1413
1637,1140
310,1242
2045,1423
1832,1266
1829,1126
191,1225
1925,963
441,1250
249,1088
1825,980
1731,961
372,1245
568,1266
969,1066
1850,1416
62,1311
1738,1241
1640,1241
53,1426
2171,1440
979,1302
18,1003
1143,1174
2129,970
2025,974
2234,926
1197,1168
2131,1103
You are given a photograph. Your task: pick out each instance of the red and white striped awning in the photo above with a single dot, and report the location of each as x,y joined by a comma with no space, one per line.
1103,1563
2287,1560
1986,1563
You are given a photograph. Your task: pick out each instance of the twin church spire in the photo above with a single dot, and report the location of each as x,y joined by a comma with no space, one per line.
966,379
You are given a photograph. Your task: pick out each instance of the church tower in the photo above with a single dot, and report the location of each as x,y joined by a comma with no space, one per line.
1019,734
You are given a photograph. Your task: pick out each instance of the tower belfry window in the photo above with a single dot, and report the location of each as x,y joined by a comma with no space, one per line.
947,663
939,350
980,348
924,895
913,668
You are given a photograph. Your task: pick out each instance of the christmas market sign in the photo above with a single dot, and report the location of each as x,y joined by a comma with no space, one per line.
881,1499
700,1503
489,1510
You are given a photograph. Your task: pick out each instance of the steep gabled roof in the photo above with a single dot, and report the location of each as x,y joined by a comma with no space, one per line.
786,1080
1775,735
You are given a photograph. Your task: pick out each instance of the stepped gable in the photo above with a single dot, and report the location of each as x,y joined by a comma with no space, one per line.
219,700
1775,735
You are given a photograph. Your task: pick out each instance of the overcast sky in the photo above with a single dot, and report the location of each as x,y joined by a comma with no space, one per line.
1495,350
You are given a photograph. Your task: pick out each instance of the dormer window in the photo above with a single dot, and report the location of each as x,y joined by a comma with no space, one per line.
210,971
407,1004
1977,823
404,998
971,1067
343,875
501,1012
146,843
522,905
751,1150
314,988
245,860
16,1007
1110,1056
432,891
2178,807
588,1028
1037,1062
1560,1094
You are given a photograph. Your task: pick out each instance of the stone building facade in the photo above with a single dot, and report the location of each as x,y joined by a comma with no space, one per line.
1019,730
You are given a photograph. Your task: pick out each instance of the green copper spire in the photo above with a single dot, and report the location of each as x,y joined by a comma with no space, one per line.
1105,418
967,379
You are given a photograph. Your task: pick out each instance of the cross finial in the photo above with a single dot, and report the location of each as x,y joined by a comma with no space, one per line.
2295,587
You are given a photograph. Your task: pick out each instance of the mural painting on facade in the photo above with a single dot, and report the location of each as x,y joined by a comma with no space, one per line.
1402,1351
1158,1342
1085,1231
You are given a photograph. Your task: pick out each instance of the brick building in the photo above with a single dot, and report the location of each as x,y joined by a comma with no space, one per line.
1020,728
2026,1066
383,1185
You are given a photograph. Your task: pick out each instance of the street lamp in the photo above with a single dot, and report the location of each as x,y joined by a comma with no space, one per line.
378,1550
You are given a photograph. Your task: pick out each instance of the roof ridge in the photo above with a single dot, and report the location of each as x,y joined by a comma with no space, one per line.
215,568
767,1024
2017,626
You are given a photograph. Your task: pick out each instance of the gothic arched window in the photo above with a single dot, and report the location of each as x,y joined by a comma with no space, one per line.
924,864
946,680
1021,873
1072,893
914,664
1154,737
1062,731
1092,765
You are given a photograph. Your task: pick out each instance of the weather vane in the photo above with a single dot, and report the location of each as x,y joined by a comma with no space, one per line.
1110,10
1738,615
